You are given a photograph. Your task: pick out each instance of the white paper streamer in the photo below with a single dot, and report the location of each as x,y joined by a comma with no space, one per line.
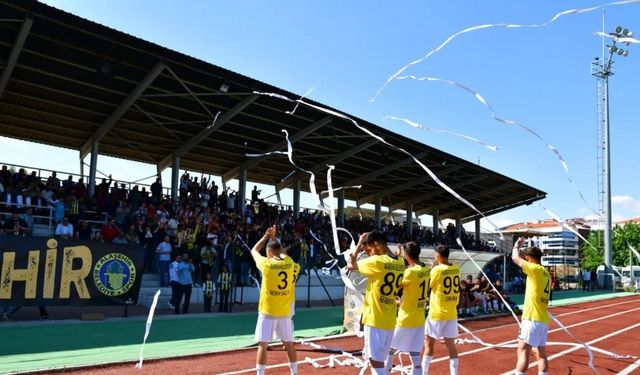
506,304
585,345
565,225
368,132
625,39
214,121
147,328
497,25
302,97
422,127
342,188
494,116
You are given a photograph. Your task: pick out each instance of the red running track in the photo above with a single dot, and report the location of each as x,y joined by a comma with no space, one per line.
612,325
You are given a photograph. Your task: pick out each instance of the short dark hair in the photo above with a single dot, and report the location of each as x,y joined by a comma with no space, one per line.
275,245
412,249
443,250
375,237
533,252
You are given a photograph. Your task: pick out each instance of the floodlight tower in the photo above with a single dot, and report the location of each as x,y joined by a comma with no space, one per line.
602,70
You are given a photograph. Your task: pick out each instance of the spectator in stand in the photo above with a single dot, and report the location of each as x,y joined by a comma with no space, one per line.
16,226
81,190
156,191
23,199
84,232
27,216
207,290
132,235
64,229
185,269
110,231
224,286
164,256
58,206
120,239
53,182
208,257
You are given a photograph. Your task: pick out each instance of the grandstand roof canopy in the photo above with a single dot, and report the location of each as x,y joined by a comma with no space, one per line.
67,81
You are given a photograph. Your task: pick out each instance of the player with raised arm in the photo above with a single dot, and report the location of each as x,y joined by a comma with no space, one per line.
444,282
535,318
409,333
385,272
274,308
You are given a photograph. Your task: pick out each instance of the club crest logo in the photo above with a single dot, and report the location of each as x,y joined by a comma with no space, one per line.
114,274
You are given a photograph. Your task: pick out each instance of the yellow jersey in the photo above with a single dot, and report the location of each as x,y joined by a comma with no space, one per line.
296,272
385,277
536,295
445,292
415,288
277,285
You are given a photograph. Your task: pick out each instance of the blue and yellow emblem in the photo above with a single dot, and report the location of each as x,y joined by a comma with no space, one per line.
114,274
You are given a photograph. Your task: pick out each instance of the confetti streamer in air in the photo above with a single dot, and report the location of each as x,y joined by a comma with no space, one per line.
147,328
624,39
342,188
379,138
214,121
635,252
422,127
506,304
448,40
302,97
493,114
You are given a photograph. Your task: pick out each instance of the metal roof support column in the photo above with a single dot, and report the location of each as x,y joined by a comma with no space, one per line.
477,235
436,222
95,145
296,199
15,52
340,218
242,190
409,220
175,179
458,226
378,213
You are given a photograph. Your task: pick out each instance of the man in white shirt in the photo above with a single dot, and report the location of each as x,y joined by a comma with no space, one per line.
64,229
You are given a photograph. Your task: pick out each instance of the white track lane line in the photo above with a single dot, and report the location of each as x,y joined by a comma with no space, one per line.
252,370
580,347
565,314
481,349
630,369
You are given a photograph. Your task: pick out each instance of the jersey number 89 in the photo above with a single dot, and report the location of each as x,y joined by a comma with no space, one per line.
389,280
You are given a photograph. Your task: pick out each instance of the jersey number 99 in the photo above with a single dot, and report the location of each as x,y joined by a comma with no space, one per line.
448,283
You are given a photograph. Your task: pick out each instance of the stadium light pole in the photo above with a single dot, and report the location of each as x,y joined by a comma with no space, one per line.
603,71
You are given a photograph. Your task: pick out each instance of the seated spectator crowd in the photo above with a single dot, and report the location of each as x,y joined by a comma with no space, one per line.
213,226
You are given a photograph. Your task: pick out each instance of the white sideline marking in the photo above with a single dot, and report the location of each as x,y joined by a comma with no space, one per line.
630,369
579,347
565,314
252,370
551,331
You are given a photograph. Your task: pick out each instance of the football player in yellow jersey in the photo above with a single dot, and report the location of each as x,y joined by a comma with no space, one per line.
274,308
385,271
444,282
409,333
535,319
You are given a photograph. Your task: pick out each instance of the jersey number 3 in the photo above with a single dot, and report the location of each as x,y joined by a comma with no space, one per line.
284,283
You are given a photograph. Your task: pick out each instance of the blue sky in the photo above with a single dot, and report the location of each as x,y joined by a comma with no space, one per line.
540,77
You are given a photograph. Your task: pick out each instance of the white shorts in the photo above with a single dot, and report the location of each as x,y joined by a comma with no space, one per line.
408,339
439,329
534,333
377,343
270,328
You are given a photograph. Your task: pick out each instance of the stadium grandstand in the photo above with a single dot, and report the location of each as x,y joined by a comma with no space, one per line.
72,83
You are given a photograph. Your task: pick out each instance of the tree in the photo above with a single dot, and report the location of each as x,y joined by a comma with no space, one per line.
593,256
